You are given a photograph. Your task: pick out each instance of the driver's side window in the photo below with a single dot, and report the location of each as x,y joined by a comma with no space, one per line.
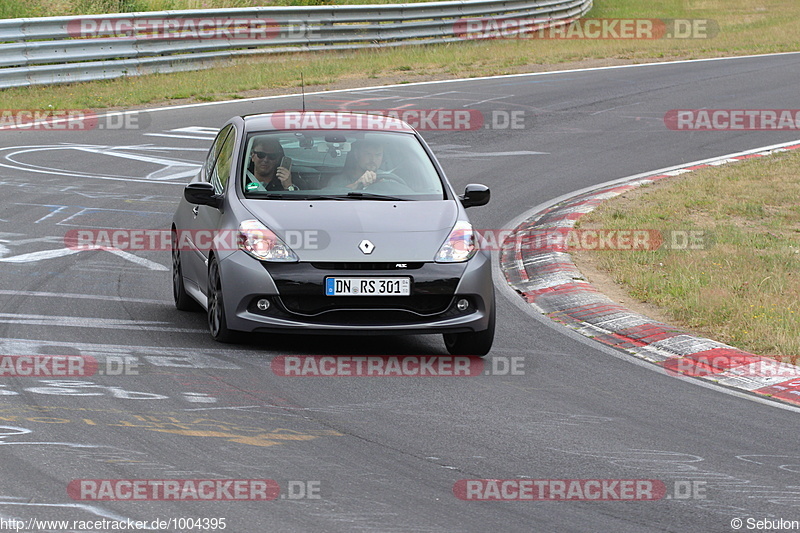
214,153
222,167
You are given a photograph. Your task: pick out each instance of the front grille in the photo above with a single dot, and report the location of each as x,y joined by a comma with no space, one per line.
419,304
301,291
367,318
367,266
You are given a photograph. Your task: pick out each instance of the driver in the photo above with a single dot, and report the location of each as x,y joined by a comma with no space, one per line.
361,168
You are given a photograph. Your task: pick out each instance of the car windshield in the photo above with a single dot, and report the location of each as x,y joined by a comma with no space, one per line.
338,165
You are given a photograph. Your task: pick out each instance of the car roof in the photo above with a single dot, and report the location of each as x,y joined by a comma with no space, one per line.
324,120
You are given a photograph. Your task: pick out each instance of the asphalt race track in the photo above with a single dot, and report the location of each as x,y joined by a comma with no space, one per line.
373,454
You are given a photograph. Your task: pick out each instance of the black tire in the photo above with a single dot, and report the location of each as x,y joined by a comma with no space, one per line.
477,343
183,302
217,322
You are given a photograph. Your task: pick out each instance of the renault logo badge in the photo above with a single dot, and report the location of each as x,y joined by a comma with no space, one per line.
366,247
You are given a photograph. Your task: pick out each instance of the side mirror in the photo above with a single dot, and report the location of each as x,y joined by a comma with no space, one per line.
202,193
474,195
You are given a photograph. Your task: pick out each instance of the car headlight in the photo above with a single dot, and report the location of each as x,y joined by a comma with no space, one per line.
460,245
260,242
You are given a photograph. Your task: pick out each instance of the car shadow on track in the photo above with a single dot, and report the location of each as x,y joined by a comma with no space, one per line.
358,343
343,344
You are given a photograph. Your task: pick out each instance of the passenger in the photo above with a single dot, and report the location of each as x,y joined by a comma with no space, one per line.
263,173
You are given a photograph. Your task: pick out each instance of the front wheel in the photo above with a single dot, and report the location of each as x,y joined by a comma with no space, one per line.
217,322
474,343
183,302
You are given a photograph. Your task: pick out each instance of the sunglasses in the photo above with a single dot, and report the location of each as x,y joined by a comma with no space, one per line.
262,155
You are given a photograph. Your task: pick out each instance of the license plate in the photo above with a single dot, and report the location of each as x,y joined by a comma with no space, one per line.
367,286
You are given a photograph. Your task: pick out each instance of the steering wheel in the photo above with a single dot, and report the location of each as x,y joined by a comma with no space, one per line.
392,178
389,177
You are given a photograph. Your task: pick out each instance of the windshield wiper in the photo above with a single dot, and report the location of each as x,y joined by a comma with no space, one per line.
349,196
281,196
312,197
372,196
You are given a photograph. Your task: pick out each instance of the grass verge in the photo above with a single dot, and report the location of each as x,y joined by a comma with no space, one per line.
57,8
746,27
740,287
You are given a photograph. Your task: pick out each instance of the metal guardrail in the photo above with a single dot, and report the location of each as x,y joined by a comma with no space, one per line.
51,50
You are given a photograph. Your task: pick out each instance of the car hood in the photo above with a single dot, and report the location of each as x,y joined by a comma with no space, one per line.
330,230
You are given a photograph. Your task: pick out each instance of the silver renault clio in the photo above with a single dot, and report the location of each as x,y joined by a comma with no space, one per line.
331,223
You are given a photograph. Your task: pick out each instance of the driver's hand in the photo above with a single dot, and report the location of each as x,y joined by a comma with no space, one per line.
285,176
367,178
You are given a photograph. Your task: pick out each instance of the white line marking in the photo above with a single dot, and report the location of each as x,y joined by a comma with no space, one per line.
180,168
67,444
91,210
178,136
177,357
615,107
62,252
84,297
425,96
479,102
172,170
16,242
152,265
51,213
199,130
231,408
487,154
39,256
115,152
88,322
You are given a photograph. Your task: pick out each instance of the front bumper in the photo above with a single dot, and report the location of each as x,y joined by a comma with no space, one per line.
298,303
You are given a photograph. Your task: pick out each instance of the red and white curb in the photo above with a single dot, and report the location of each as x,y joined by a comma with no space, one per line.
549,281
